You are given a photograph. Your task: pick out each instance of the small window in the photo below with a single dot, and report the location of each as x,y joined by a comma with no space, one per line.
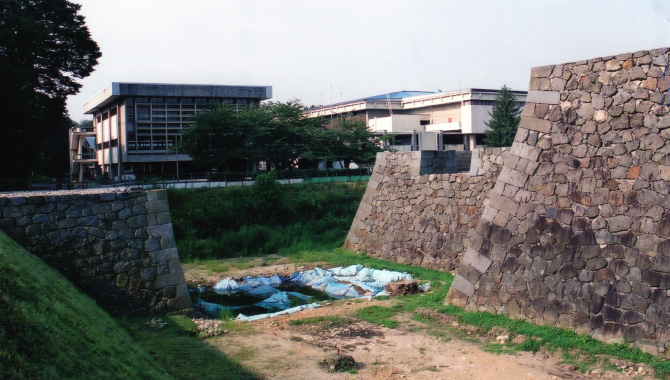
142,100
157,100
172,100
130,101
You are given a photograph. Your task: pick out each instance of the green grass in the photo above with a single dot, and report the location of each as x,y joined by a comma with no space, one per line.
262,219
179,351
330,319
51,330
380,315
556,338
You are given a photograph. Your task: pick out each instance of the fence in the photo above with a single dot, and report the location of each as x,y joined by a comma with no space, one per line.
188,180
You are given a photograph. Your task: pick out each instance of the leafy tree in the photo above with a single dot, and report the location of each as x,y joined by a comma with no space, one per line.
281,132
278,133
348,141
45,47
218,137
504,120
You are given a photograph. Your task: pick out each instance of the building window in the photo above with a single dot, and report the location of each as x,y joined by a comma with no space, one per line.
143,100
157,100
143,113
172,100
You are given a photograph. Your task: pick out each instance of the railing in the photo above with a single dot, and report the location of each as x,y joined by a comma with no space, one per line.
188,180
83,156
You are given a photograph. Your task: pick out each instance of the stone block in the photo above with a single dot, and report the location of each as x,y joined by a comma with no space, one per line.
526,151
160,230
548,97
180,303
535,124
170,279
541,71
464,286
513,177
503,204
476,260
164,255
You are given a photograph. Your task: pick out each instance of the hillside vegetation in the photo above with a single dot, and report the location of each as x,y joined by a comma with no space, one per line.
50,330
265,218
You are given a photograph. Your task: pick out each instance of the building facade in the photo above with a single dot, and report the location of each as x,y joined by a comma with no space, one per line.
136,124
424,120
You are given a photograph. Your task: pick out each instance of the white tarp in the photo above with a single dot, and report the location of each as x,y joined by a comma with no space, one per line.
342,282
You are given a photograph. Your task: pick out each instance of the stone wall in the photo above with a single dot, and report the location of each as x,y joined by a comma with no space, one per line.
575,232
415,212
117,247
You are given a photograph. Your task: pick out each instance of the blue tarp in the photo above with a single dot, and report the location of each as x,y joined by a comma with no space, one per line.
342,282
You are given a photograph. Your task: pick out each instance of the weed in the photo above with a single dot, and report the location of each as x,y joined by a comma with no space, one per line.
331,319
380,315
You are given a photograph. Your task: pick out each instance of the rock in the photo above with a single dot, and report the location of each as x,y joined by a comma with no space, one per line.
402,288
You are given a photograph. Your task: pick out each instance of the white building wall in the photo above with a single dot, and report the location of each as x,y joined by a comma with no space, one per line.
480,115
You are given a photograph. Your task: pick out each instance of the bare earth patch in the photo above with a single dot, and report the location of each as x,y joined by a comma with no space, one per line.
274,349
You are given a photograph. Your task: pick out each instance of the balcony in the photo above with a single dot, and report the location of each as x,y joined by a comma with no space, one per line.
84,157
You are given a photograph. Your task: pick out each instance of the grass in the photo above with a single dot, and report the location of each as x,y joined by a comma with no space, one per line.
261,219
580,350
331,319
178,350
51,330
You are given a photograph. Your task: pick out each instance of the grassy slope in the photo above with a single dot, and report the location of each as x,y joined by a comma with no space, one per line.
50,330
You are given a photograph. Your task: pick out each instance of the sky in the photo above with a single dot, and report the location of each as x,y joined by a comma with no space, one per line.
322,52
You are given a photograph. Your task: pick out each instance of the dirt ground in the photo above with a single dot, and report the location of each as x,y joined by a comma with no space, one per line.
274,349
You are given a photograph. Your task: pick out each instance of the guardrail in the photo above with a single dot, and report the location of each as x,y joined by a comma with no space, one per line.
188,180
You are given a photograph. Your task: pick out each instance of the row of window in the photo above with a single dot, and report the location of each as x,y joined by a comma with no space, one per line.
155,144
130,101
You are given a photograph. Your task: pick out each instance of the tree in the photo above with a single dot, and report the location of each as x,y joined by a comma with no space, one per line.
45,47
281,132
218,138
348,141
504,120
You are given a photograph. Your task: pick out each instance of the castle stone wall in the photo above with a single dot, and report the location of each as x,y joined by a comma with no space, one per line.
414,211
575,231
118,247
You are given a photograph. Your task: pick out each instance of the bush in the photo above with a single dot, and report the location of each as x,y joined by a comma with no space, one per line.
262,219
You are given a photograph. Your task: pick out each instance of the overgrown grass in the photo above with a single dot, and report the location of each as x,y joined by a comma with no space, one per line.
181,353
261,219
50,330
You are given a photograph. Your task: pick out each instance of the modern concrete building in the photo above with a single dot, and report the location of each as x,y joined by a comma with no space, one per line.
424,120
136,124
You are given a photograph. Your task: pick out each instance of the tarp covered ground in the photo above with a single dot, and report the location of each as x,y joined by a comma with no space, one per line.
354,281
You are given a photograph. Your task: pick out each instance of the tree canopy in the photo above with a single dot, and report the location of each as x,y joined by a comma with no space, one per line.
45,47
504,119
277,133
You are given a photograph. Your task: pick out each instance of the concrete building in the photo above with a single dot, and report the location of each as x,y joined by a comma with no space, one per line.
135,124
424,120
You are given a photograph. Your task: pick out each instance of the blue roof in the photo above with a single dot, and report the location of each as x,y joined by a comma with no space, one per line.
399,95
